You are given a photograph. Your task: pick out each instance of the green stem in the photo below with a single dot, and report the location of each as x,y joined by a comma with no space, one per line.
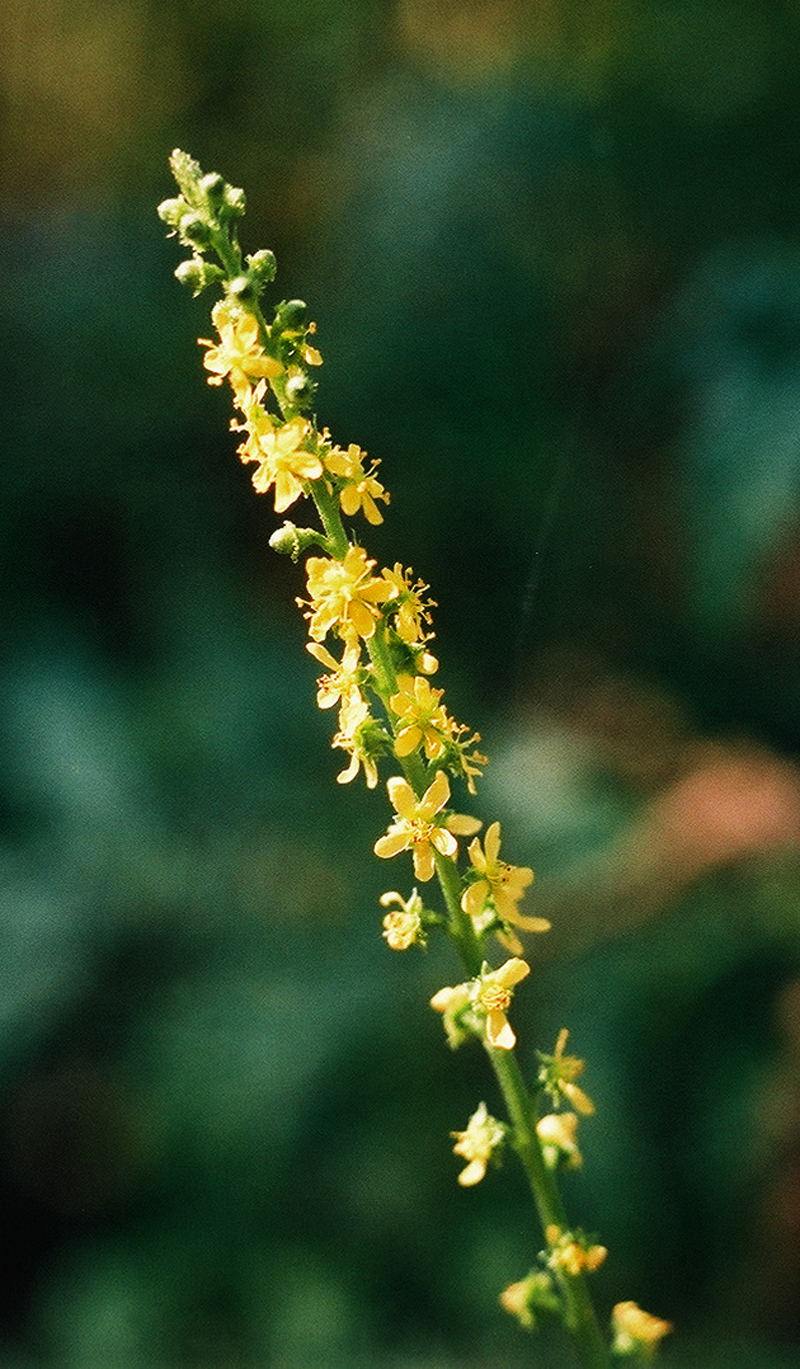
460,927
581,1318
328,510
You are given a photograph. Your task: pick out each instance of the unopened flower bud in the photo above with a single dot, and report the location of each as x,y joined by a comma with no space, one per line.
263,266
290,316
172,211
292,541
213,187
242,289
197,274
234,200
298,388
194,229
190,273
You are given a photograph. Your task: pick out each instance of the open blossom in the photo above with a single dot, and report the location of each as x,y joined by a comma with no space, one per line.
503,884
412,616
637,1332
344,680
417,827
344,595
360,489
475,1145
493,997
486,999
239,355
353,714
282,460
402,926
421,716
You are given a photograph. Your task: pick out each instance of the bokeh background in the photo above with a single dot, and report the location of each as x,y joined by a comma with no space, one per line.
553,251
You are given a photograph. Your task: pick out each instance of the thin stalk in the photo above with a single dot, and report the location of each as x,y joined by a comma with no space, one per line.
581,1318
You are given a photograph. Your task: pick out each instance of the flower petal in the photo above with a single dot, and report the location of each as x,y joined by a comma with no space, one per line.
498,1031
436,795
511,972
402,797
492,843
392,844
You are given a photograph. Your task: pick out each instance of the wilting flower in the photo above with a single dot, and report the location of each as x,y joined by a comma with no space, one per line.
239,355
417,828
344,681
637,1332
557,1074
476,1145
344,595
556,1132
354,723
402,927
503,884
572,1252
452,1003
528,1296
360,489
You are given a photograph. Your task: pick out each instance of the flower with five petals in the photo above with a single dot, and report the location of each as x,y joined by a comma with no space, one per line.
239,355
417,826
344,595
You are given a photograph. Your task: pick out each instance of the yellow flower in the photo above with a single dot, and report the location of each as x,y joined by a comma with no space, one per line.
350,737
530,1295
493,997
558,1072
361,489
416,827
451,1003
239,355
344,681
412,610
481,1005
279,452
344,595
504,885
572,1253
475,1145
556,1132
402,927
637,1332
422,717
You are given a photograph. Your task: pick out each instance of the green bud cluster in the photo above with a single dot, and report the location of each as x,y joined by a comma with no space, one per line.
203,217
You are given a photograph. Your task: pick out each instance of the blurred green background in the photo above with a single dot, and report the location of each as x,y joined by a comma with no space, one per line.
553,251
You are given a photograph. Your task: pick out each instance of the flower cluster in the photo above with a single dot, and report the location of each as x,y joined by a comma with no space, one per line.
370,630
